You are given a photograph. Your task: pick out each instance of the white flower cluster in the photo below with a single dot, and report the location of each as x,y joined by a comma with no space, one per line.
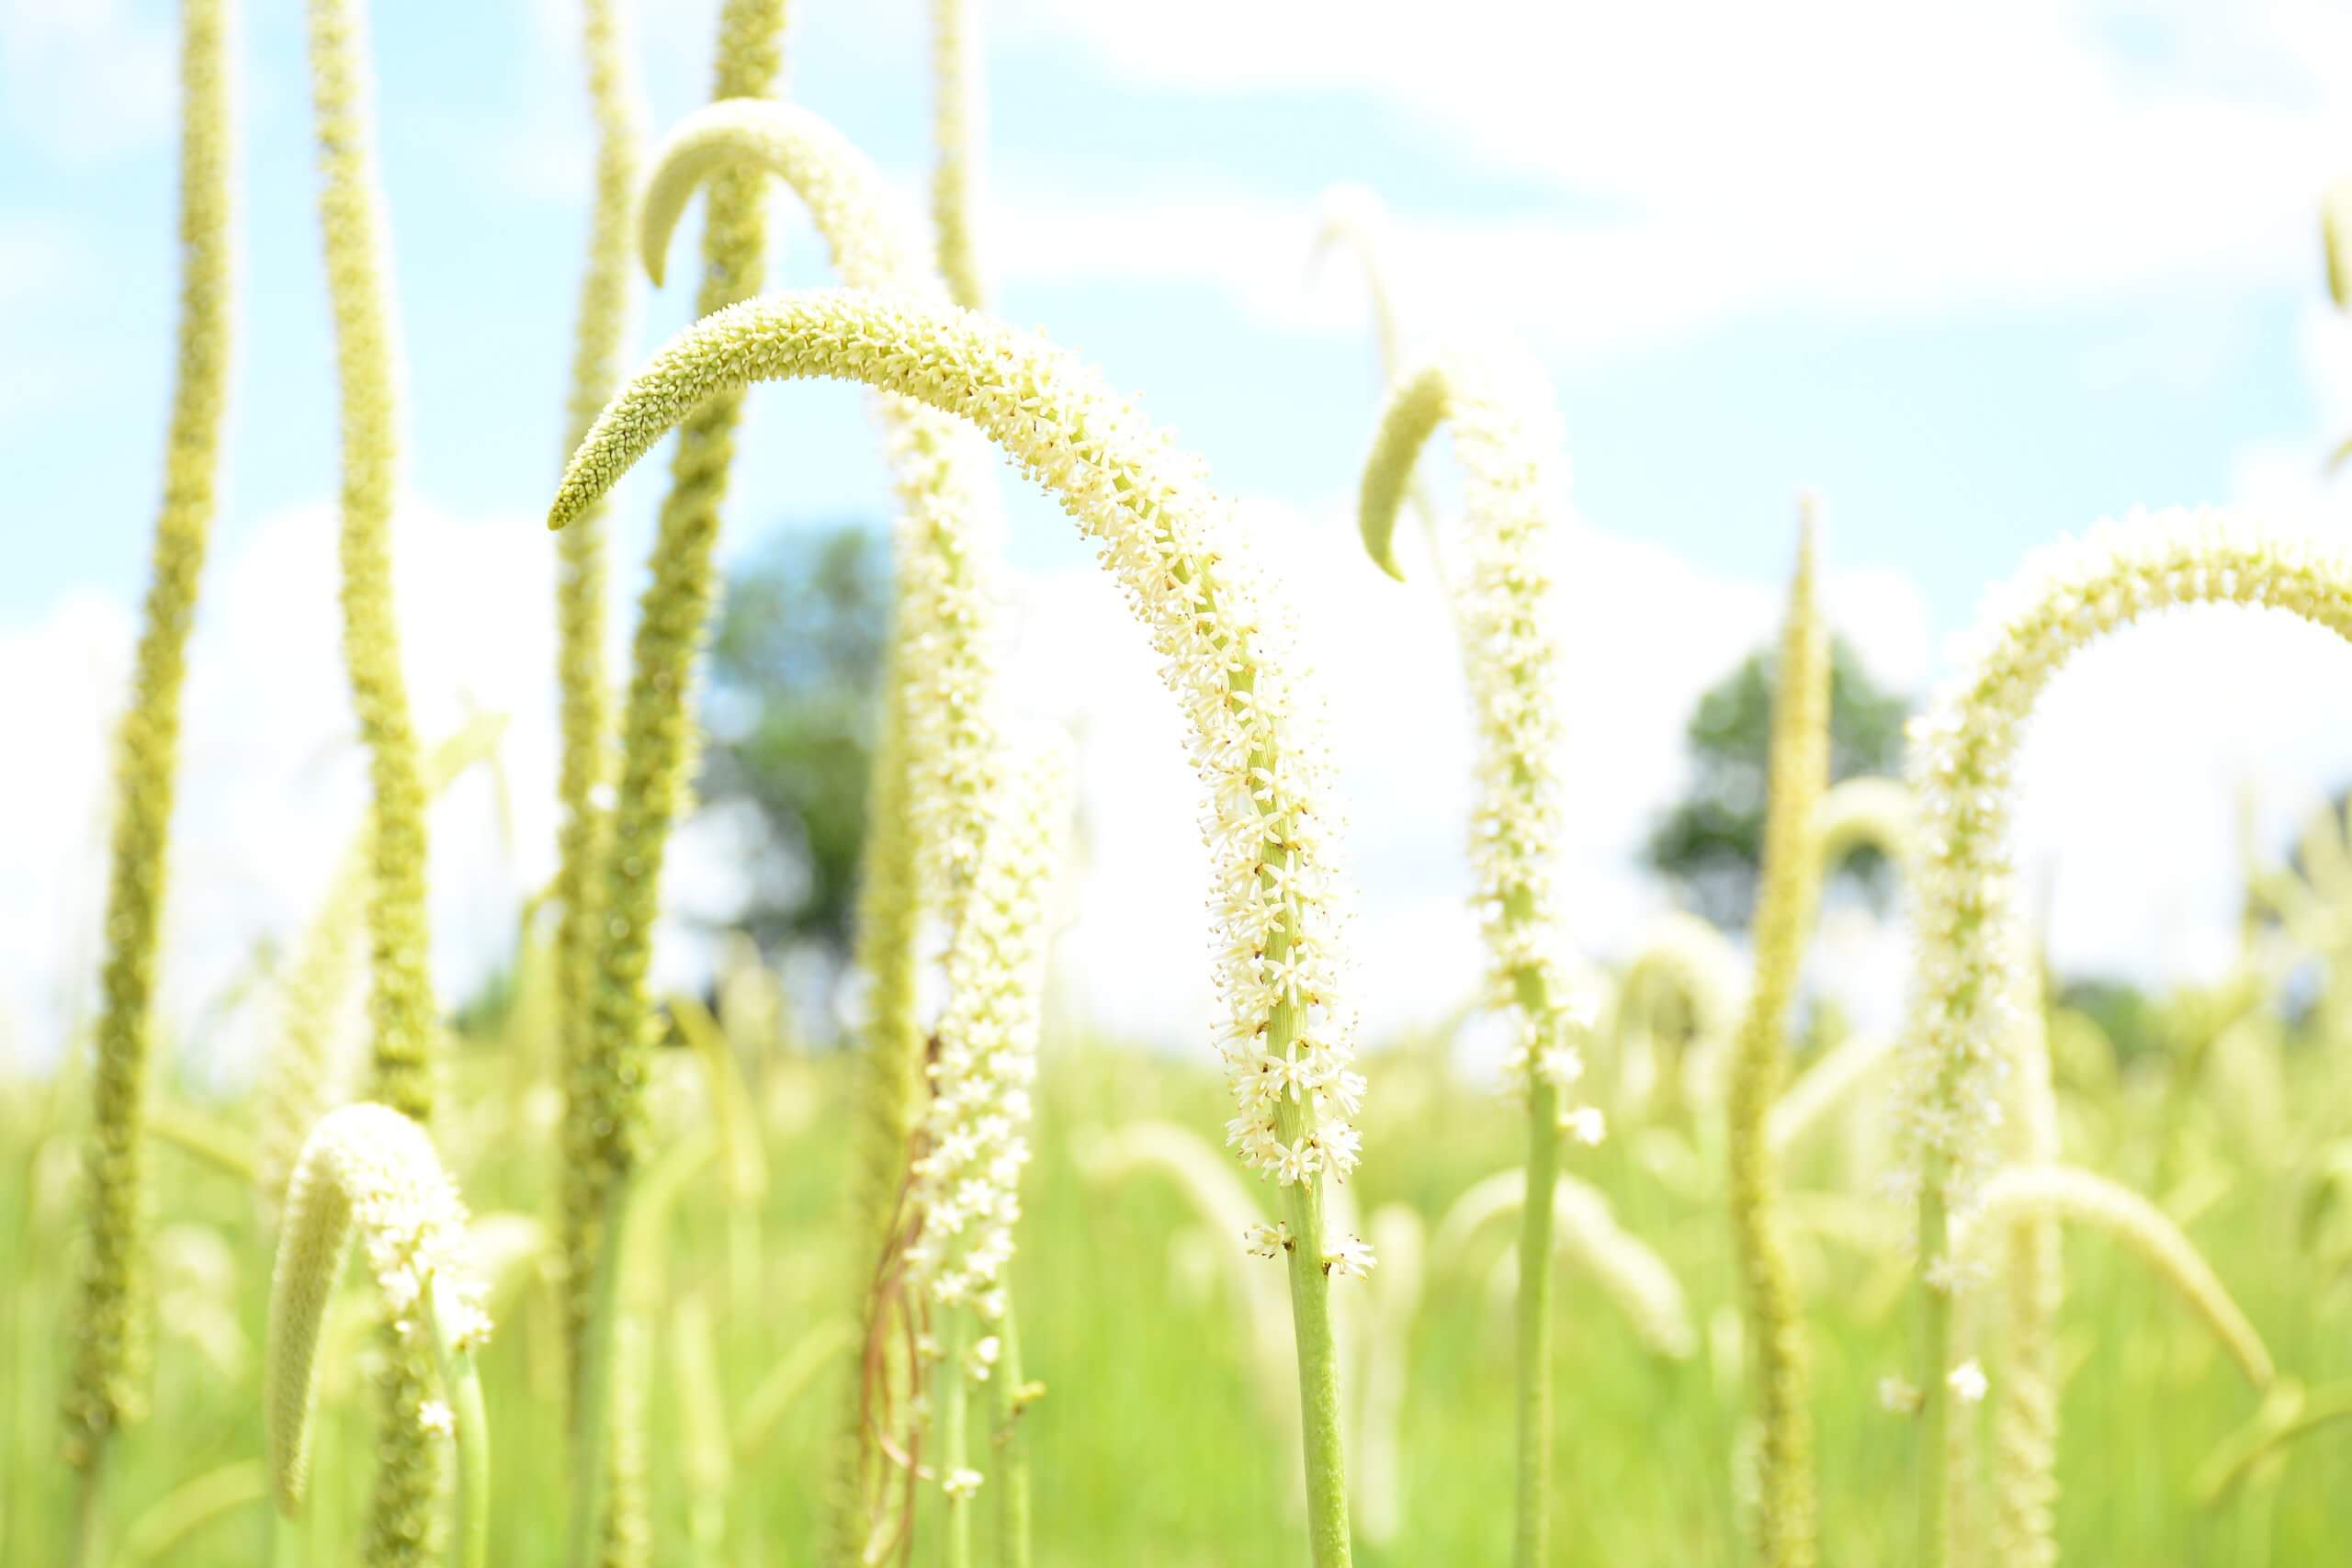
1963,756
1268,815
1507,440
369,1168
975,1134
947,545
410,1221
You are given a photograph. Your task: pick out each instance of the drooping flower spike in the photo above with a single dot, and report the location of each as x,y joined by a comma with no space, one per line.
109,1354
1506,439
366,1169
1964,901
1269,819
941,759
1788,891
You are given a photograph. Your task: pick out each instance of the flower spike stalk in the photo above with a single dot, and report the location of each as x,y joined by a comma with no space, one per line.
1962,753
603,1109
940,760
108,1352
2034,1286
1506,439
1788,890
585,701
964,1198
958,99
1269,820
367,1168
351,216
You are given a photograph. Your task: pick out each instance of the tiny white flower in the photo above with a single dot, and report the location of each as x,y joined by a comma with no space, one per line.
1268,1241
1967,1381
959,1484
1897,1394
1349,1259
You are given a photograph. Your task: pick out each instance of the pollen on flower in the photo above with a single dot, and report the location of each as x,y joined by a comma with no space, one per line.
1347,1258
1268,1241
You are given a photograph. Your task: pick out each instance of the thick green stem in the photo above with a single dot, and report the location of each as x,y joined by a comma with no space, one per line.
955,1444
1318,1378
470,1542
590,1420
1531,1536
1935,1353
1013,1549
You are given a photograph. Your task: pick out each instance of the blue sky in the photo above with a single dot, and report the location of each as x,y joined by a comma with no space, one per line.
1949,434
1980,278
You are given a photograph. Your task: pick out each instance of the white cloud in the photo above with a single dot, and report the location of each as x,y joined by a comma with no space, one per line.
1645,632
87,78
1708,160
272,777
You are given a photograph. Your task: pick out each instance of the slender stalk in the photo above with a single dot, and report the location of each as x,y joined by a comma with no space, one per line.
469,1430
955,1471
1011,1395
955,130
1318,1378
1530,1532
1788,892
104,1390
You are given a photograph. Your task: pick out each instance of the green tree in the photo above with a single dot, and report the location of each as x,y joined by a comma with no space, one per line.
796,670
1709,843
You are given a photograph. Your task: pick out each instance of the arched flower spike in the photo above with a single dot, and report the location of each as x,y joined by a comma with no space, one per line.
108,1349
1505,436
1962,753
1269,818
941,756
1867,812
370,1169
965,1196
1788,892
957,130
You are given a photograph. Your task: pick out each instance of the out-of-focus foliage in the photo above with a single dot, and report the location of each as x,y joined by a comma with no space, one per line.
794,665
1711,842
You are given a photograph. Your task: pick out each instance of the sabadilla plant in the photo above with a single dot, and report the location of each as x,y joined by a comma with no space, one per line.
103,1391
1505,436
1962,752
370,1169
604,1131
1269,818
940,760
965,1194
1788,890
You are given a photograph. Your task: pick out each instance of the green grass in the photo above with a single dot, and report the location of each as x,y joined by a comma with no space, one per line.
1150,1446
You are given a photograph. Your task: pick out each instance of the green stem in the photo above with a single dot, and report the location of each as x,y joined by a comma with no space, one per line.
1531,1538
1935,1346
470,1542
88,1513
1318,1378
591,1435
954,1440
1013,1465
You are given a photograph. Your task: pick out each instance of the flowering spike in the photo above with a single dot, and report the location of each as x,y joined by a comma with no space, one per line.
955,134
1269,818
1506,439
1788,890
367,1168
1963,756
109,1348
